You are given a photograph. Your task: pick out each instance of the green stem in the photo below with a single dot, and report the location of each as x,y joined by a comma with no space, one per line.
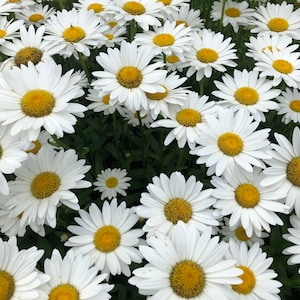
84,67
132,30
201,87
222,15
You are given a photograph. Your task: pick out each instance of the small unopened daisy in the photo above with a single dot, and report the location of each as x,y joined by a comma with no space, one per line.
72,277
231,139
186,121
111,182
107,237
246,91
289,105
186,266
9,28
258,279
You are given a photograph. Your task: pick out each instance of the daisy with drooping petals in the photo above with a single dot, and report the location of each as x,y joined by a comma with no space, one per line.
112,182
128,74
259,281
107,237
173,199
246,91
137,118
72,277
186,266
231,139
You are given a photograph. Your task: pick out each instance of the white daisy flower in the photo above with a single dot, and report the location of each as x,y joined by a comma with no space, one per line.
128,73
241,196
9,29
258,279
231,139
138,118
111,182
114,36
32,98
107,237
7,7
100,7
171,6
187,120
186,266
23,3
172,62
72,277
246,91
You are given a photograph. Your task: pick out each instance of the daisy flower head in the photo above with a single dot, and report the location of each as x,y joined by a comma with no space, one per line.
277,18
72,277
138,118
172,62
188,265
33,98
241,196
247,91
18,274
230,139
111,182
23,3
258,279
209,51
7,7
289,105
186,120
100,7
45,181
128,74
114,36
9,29
169,200
170,6
235,13
107,237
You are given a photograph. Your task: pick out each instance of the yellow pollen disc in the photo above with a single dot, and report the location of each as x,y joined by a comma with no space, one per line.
73,34
263,50
283,66
188,117
109,36
278,24
207,55
134,8
295,105
105,99
164,39
27,54
96,7
230,144
64,292
112,24
246,95
14,1
232,12
130,77
293,171
178,22
37,103
44,185
178,209
247,195
172,59
241,234
137,115
248,284
36,148
107,238
165,2
111,182
187,279
2,33
36,18
7,285
158,96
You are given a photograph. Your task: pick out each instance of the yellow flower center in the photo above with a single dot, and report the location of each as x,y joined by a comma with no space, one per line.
278,24
134,8
232,12
263,50
230,144
246,95
112,24
111,182
178,209
295,105
165,2
241,234
248,284
207,55
27,54
187,279
64,292
178,22
36,18
2,33
188,117
109,36
172,59
105,99
44,185
164,39
283,66
7,285
96,7
247,195
158,96
14,1
73,34
293,171
36,148
37,103
107,238
130,77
